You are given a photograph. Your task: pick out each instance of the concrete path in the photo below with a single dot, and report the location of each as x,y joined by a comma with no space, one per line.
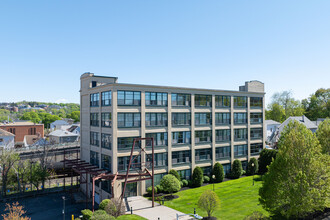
143,207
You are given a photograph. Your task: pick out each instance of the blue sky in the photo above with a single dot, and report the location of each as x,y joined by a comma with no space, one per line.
46,45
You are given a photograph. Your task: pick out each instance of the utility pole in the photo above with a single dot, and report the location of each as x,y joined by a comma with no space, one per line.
63,197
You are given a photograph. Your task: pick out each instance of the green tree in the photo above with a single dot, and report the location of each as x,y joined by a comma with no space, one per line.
318,105
276,112
323,135
8,158
236,172
209,202
252,167
75,115
170,184
218,172
31,116
104,203
101,215
265,159
175,173
197,177
297,182
47,118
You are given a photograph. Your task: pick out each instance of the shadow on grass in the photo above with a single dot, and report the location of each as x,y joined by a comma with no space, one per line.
258,179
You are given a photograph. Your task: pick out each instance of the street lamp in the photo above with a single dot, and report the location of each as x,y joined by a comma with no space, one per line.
253,173
213,178
63,197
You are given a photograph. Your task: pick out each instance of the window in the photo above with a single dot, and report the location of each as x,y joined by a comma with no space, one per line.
32,131
157,179
160,139
13,130
179,119
94,119
256,133
127,143
106,186
203,119
179,157
160,159
203,100
94,102
94,138
106,141
244,165
222,152
222,118
180,99
240,134
129,120
255,118
240,101
129,98
222,101
255,102
207,171
203,136
156,99
184,174
106,119
203,154
240,150
181,137
240,118
156,119
106,162
106,98
222,135
94,158
256,148
226,168
124,161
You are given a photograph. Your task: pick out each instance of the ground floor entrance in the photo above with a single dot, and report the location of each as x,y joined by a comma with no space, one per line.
131,189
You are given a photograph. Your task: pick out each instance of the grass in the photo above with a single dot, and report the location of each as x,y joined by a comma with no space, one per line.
238,198
130,217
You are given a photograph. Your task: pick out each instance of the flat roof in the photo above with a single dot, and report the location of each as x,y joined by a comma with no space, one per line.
20,123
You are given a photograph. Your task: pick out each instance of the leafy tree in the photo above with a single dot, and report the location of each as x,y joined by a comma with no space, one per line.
31,116
175,173
323,135
236,172
276,112
15,212
265,159
101,215
170,184
87,214
115,207
8,158
47,118
256,215
104,203
197,177
218,172
252,169
75,115
209,202
318,105
297,182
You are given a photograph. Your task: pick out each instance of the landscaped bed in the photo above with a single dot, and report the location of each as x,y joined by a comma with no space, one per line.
130,217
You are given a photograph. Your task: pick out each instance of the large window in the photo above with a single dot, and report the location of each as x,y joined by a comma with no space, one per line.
184,174
203,154
255,133
106,119
240,134
157,179
203,136
124,161
226,168
244,165
222,101
222,135
222,152
240,150
106,141
156,119
106,186
179,157
129,98
240,118
106,162
129,120
203,119
222,118
240,101
94,138
256,148
94,158
94,119
181,137
180,99
106,98
156,99
207,171
203,100
127,143
160,139
160,159
255,118
179,119
255,102
94,99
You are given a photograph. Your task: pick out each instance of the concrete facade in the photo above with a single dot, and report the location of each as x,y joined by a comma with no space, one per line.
91,84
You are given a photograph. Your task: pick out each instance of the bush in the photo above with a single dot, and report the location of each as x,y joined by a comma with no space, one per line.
181,184
206,179
256,215
159,189
170,184
243,172
149,190
209,202
251,170
236,172
115,207
190,184
185,183
104,203
265,159
197,177
87,214
101,215
218,172
175,173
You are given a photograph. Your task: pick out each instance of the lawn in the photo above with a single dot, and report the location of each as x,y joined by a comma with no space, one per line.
238,199
130,217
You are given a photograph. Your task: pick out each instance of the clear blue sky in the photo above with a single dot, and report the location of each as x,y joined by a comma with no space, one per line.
46,45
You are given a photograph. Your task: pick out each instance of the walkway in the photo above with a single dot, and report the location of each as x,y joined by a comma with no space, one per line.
143,207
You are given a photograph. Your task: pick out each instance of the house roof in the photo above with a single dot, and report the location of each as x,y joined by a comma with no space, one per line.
59,122
19,123
62,133
271,122
4,133
301,119
72,128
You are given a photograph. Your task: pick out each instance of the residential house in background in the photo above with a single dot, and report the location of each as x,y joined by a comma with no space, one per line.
58,124
75,128
272,127
62,136
7,139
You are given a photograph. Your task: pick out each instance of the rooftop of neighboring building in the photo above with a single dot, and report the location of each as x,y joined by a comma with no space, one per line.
271,122
62,133
19,123
301,119
4,133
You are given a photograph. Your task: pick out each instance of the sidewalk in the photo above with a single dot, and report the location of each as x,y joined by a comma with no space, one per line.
143,207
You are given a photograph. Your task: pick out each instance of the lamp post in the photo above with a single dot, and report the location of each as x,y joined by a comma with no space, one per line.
63,197
253,173
213,178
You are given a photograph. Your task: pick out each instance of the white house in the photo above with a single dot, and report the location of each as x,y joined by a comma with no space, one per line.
7,139
272,126
62,136
58,124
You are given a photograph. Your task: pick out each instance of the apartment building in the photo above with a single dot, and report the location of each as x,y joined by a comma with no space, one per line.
191,127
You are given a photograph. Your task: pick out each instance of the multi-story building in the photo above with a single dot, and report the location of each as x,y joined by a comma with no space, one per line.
191,127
